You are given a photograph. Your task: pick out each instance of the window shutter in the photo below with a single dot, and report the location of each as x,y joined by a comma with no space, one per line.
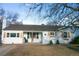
68,34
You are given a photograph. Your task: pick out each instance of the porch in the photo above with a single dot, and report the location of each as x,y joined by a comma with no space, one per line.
32,37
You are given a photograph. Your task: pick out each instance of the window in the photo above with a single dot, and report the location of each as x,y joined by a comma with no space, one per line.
13,35
66,34
8,34
17,34
52,33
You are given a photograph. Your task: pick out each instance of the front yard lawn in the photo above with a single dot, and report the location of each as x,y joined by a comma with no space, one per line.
42,50
74,47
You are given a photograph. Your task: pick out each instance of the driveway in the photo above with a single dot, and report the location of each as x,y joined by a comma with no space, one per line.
41,50
5,49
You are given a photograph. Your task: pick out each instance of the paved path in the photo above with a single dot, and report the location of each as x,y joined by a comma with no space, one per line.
5,48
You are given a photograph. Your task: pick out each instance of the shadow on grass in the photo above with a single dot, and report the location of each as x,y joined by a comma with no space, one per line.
73,47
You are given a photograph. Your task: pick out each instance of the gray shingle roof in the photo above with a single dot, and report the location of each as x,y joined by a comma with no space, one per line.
33,27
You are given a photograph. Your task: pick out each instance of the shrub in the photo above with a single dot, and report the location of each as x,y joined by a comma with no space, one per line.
57,42
75,41
25,40
50,42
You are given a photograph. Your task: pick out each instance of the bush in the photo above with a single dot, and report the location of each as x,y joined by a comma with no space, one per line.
25,40
50,42
57,42
75,41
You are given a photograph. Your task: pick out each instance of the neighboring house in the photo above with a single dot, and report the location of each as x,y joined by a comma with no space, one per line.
20,34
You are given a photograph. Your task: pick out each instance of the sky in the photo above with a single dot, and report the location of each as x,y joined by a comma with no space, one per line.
33,17
22,11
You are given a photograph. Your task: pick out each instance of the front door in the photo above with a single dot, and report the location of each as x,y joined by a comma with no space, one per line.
35,37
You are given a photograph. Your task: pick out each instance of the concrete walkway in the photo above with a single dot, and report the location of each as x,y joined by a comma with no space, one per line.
5,48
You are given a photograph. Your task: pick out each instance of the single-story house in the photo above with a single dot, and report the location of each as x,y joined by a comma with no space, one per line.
20,34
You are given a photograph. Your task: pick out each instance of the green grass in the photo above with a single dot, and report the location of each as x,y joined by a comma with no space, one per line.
75,41
74,47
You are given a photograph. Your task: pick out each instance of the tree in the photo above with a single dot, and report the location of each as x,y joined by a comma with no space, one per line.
57,12
66,14
2,12
73,8
12,18
75,41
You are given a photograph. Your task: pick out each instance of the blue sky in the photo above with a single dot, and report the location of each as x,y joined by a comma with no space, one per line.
22,11
34,17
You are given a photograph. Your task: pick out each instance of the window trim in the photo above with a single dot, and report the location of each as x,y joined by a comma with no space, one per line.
8,35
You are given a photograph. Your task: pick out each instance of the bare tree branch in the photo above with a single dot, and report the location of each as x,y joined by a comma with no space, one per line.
70,7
